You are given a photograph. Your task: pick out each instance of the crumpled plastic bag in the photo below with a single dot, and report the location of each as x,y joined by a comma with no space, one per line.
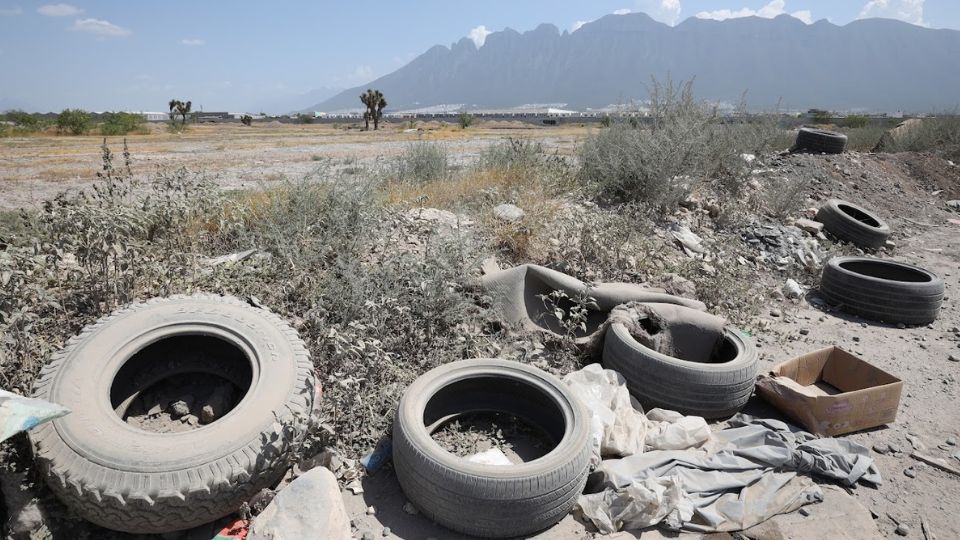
671,430
638,505
617,427
18,413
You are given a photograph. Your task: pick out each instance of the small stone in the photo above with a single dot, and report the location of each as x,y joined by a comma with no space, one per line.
155,410
856,339
179,408
775,313
953,358
810,226
386,531
894,449
792,289
902,529
952,441
881,448
910,472
409,508
901,326
804,331
367,535
207,415
804,511
190,420
371,510
509,213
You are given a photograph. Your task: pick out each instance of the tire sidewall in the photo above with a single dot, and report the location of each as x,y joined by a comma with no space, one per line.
746,353
83,380
413,403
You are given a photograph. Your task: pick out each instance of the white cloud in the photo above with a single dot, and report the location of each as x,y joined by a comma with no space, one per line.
193,42
910,11
11,11
665,11
773,9
623,11
59,10
99,27
479,35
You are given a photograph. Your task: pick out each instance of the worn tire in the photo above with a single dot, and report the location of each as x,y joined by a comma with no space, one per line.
713,390
880,290
854,224
820,140
485,500
128,479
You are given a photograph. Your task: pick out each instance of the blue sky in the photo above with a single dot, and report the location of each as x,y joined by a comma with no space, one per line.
111,55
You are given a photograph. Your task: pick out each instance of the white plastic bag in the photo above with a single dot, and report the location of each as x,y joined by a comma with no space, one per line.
18,413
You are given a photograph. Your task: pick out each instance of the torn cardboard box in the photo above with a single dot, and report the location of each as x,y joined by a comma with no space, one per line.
832,392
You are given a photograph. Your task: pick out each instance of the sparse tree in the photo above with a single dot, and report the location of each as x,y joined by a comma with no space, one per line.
246,119
180,108
466,120
74,121
375,103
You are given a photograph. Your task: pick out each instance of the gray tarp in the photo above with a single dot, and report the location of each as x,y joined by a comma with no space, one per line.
521,295
737,478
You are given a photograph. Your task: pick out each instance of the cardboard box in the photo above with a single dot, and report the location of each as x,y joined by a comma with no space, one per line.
832,392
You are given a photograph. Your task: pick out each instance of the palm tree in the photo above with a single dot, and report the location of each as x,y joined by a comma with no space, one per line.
375,103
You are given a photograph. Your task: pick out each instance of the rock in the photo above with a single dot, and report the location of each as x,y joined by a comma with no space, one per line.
952,441
881,448
219,402
902,529
23,512
805,511
309,507
190,419
439,217
155,410
509,213
954,204
910,472
792,289
953,358
775,313
367,535
386,531
810,226
409,508
804,331
179,408
371,511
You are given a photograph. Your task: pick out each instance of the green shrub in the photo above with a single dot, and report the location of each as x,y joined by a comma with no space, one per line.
422,162
856,121
940,134
685,142
121,123
466,120
74,121
24,122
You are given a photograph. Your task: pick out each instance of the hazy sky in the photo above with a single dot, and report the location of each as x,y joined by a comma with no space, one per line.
233,55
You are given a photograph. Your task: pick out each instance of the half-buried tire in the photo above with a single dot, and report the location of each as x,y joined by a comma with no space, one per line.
491,500
820,140
881,290
712,390
854,224
124,477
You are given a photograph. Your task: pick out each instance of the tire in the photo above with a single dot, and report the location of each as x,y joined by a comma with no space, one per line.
821,140
854,224
127,479
886,291
713,390
484,500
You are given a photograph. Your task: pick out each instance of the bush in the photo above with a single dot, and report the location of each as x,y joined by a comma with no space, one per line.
74,121
121,123
856,121
24,122
422,162
658,164
466,120
939,134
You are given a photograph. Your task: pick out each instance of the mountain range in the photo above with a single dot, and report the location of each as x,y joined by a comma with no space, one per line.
870,64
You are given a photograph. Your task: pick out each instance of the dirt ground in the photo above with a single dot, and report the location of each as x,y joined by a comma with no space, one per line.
35,168
908,190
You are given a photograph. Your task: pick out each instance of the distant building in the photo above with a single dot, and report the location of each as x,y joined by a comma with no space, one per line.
154,116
